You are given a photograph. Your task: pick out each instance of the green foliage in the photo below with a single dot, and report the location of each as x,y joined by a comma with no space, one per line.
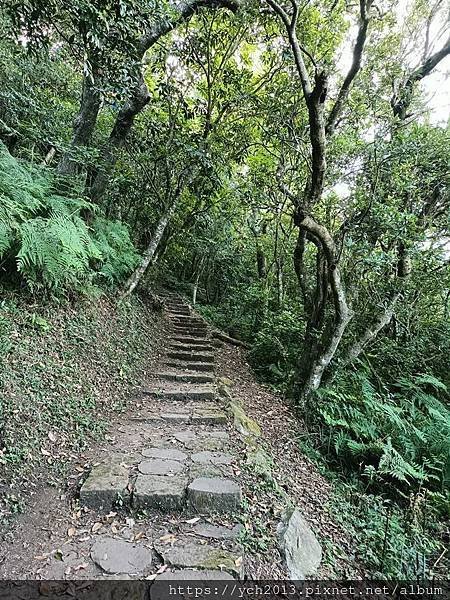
390,541
44,239
118,255
276,347
400,436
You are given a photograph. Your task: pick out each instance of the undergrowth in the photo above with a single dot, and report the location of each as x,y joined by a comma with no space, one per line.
64,370
46,242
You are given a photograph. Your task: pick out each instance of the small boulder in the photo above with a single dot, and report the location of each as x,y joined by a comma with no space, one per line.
299,546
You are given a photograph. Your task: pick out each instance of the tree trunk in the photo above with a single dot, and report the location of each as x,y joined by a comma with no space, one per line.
319,364
261,262
116,140
149,254
280,282
83,125
319,350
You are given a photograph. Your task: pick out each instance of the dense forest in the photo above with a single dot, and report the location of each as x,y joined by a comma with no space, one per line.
285,166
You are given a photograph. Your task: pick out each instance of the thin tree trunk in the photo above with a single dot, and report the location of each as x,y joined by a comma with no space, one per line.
367,336
149,254
320,364
318,356
83,125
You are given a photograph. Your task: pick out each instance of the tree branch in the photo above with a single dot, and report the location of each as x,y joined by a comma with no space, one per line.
355,67
183,11
402,100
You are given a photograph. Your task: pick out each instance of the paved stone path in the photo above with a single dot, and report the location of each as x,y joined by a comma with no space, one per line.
179,465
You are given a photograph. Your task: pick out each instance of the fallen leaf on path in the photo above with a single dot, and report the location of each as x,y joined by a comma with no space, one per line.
169,537
96,526
71,531
192,521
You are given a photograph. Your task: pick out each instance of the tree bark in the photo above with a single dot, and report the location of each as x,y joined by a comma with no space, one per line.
369,334
318,360
83,125
119,133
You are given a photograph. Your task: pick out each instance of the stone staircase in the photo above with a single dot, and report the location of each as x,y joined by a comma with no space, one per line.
185,466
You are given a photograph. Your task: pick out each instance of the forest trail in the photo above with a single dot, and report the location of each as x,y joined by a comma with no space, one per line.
172,465
179,490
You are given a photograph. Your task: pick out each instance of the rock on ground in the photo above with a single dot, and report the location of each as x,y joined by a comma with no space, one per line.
299,545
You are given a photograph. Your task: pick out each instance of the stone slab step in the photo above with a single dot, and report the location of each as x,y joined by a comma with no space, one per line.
189,330
201,440
194,554
184,339
183,392
189,333
106,483
158,492
185,377
191,347
199,417
191,366
207,495
191,356
117,556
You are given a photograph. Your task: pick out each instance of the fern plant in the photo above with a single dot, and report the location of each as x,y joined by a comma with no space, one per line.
45,238
400,434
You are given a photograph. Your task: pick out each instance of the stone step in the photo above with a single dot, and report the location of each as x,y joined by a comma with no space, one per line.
213,495
190,333
201,440
159,492
185,377
107,483
192,553
191,366
188,322
191,356
183,339
196,416
185,326
185,391
191,347
177,306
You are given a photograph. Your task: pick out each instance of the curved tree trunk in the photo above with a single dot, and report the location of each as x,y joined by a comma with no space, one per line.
116,140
